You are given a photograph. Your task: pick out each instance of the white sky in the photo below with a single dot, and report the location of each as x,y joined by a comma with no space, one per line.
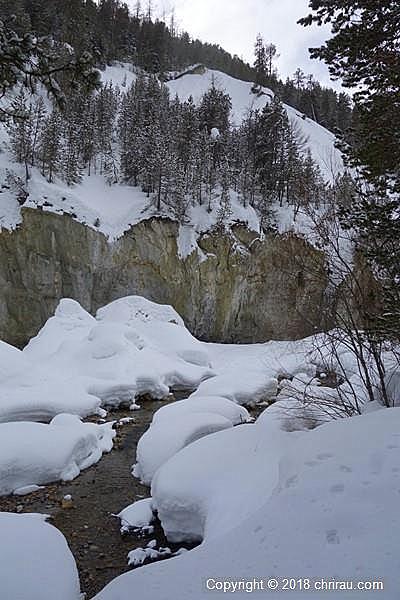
234,24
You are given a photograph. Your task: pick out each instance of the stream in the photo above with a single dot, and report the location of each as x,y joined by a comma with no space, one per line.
98,493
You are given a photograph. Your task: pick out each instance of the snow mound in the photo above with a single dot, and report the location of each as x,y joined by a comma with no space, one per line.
132,308
77,363
35,453
29,574
211,404
194,502
159,442
250,389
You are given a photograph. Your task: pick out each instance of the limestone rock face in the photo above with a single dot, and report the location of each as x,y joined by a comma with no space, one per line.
238,288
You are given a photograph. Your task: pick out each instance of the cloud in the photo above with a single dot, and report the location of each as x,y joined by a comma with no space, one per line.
234,24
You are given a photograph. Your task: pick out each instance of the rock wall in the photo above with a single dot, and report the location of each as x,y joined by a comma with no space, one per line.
240,288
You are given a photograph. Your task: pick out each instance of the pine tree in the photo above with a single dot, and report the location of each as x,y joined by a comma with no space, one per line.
49,150
214,109
20,130
260,62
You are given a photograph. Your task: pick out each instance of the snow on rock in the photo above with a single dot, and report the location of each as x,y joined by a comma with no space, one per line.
140,555
320,504
156,326
244,388
34,453
211,404
35,561
137,515
160,442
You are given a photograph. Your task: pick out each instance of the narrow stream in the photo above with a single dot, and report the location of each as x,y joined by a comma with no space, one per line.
91,530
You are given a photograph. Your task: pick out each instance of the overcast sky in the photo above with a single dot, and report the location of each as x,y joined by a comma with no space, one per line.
234,25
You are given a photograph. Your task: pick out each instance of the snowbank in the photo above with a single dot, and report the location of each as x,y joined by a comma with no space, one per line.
34,453
29,574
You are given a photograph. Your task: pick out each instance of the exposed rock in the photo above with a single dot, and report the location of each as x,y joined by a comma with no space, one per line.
246,290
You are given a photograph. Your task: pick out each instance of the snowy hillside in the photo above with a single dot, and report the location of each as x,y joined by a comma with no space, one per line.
319,140
113,209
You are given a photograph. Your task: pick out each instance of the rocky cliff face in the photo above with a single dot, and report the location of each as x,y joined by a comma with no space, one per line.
240,289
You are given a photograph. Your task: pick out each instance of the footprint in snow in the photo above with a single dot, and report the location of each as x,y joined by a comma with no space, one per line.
345,469
332,536
324,456
338,488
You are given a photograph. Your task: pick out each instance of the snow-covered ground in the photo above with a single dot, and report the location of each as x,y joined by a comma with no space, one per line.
275,498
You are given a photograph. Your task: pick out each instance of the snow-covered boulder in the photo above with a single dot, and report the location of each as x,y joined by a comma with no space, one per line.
163,440
35,561
35,453
199,404
41,400
244,387
137,515
69,323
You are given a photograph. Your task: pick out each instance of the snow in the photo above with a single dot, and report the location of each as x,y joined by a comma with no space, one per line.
250,390
140,555
162,440
210,404
136,515
77,363
119,74
268,503
35,453
201,221
29,574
